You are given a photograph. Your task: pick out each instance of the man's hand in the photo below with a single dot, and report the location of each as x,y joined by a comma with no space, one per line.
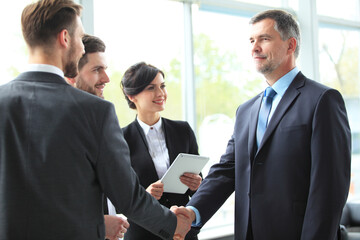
156,189
183,222
191,180
185,211
115,227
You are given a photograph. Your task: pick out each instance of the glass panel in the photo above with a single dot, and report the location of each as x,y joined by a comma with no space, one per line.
14,49
339,68
274,3
294,4
346,9
152,33
224,79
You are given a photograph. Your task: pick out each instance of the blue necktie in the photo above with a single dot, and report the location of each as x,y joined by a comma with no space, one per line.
264,114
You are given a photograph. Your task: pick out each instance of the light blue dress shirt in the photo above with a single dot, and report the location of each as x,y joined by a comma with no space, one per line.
280,87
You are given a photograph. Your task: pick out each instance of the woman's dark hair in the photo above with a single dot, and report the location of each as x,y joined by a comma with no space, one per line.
136,78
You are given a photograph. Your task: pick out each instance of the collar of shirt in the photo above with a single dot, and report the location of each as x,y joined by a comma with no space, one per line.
146,127
156,146
281,85
45,68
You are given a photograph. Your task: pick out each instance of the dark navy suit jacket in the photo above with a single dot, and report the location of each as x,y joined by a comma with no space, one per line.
296,184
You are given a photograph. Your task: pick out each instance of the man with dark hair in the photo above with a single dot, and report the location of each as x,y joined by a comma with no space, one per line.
92,78
61,149
288,159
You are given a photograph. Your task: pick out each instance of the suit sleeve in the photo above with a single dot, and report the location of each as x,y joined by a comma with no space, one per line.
330,167
218,185
121,185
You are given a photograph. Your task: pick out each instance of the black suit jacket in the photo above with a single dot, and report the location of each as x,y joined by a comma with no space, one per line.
60,149
179,138
296,184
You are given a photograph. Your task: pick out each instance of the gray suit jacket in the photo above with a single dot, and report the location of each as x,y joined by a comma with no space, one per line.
60,150
296,184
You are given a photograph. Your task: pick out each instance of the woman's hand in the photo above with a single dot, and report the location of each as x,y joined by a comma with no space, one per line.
156,189
191,180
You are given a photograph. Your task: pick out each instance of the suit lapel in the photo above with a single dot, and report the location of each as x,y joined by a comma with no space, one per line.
141,132
253,124
169,145
289,97
147,159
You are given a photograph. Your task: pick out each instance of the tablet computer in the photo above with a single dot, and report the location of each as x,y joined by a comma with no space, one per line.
183,163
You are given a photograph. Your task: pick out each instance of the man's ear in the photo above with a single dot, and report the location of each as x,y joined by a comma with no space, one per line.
71,81
64,38
292,44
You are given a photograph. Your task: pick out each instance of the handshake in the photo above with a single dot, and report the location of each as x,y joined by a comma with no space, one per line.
185,217
116,227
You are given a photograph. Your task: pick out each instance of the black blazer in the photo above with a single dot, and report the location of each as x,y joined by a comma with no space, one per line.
60,150
180,138
296,184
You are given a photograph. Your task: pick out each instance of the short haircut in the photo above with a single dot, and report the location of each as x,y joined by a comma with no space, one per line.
285,24
92,44
43,20
136,78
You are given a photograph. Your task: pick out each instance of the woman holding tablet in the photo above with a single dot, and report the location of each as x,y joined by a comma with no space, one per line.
155,142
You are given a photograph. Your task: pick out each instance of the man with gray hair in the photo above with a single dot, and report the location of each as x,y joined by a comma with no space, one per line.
288,159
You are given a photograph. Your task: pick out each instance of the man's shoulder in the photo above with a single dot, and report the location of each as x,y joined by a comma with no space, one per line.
302,81
313,89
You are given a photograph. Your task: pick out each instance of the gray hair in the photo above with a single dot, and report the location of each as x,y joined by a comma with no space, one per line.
285,24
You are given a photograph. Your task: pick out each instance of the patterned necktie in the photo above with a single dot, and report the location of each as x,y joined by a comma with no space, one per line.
264,114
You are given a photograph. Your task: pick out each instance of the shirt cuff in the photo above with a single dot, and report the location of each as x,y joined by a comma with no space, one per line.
197,222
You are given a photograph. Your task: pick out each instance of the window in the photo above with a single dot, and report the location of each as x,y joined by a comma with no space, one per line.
224,78
339,68
345,9
141,30
14,52
273,3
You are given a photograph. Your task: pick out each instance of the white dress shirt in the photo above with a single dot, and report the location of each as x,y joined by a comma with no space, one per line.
45,68
157,146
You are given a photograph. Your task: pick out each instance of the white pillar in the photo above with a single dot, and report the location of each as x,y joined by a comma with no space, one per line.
188,83
309,46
